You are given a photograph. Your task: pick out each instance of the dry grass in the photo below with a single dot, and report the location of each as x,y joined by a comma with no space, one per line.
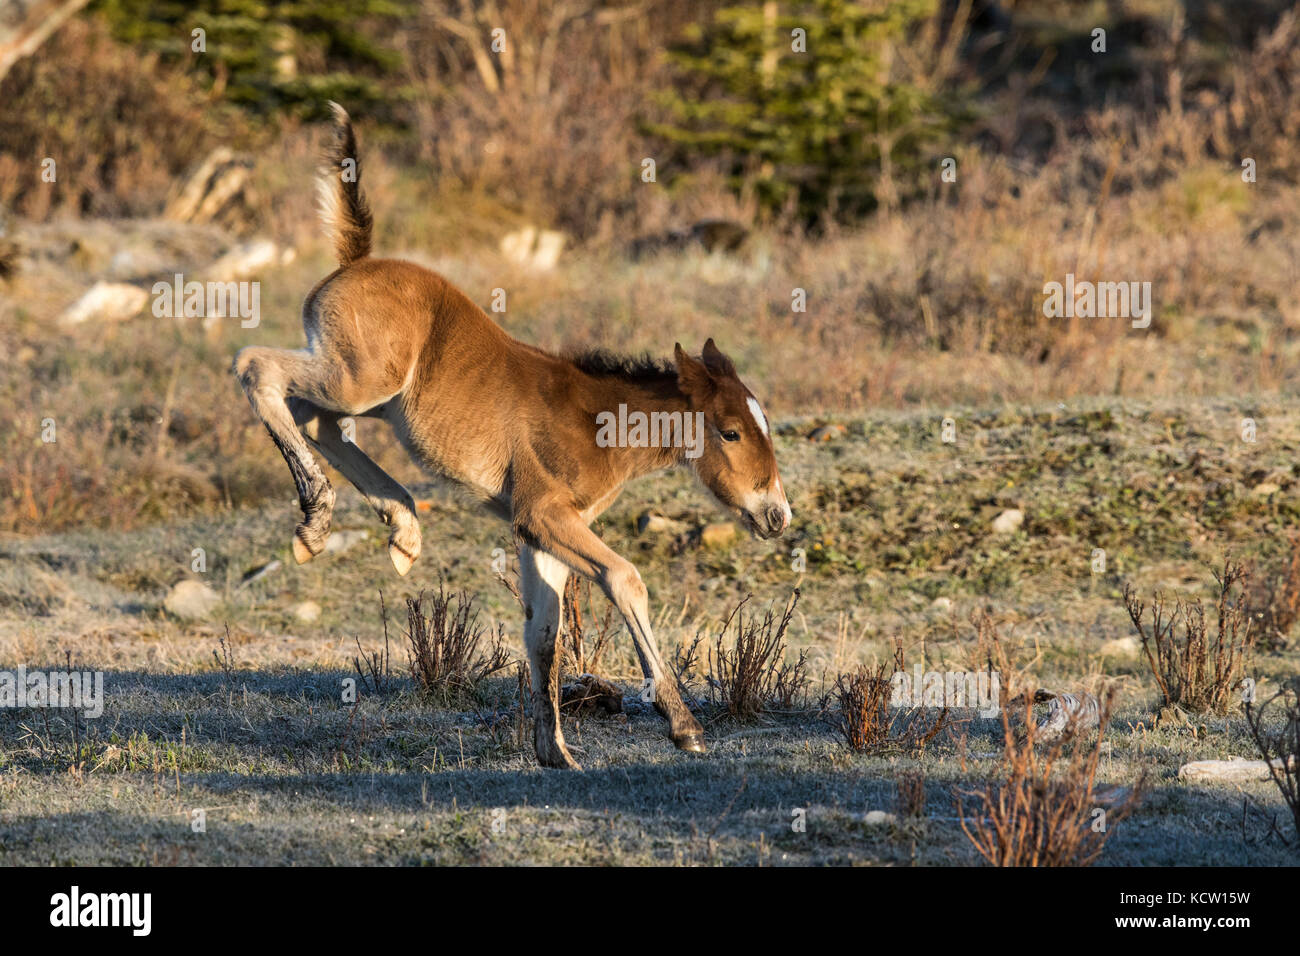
1195,672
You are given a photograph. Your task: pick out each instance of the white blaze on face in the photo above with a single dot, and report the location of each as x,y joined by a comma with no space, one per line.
757,411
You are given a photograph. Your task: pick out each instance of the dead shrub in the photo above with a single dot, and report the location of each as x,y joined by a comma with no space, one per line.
1281,747
867,721
1194,672
1048,811
910,794
1275,600
121,126
446,651
752,676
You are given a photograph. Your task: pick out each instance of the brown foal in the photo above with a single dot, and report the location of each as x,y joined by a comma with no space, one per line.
545,442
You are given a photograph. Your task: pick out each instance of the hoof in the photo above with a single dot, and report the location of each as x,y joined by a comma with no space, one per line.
301,553
401,560
404,546
557,759
691,741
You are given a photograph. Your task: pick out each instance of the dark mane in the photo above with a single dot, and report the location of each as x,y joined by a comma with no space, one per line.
633,368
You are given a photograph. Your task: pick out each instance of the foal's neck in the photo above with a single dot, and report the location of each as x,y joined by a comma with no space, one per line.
649,396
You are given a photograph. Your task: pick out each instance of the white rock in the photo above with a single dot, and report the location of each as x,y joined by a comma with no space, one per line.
191,599
307,612
879,818
106,301
340,541
243,260
1009,521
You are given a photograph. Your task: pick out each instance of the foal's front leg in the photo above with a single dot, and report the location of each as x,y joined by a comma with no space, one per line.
541,579
565,535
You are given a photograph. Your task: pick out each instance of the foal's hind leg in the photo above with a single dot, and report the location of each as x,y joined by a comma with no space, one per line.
269,376
541,579
391,501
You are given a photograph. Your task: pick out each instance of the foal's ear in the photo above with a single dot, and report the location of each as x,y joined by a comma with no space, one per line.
717,363
692,375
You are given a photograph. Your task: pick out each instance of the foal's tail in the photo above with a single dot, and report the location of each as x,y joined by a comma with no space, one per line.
343,208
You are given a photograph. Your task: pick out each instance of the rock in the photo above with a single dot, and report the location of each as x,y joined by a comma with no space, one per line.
307,612
718,535
651,523
1009,521
244,260
1232,770
534,248
826,433
1265,488
191,599
340,541
107,302
1121,647
879,818
591,694
942,604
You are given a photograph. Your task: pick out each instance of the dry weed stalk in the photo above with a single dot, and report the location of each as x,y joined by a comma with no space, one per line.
573,627
1194,672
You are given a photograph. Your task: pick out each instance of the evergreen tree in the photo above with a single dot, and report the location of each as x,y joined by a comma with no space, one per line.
800,100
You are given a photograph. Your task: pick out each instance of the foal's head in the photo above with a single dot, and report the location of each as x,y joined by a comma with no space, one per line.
737,463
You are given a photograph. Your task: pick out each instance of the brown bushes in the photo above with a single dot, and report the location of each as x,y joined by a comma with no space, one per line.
118,125
1048,811
1194,671
445,644
866,718
752,676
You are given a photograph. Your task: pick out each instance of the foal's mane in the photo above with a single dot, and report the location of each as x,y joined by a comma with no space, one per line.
630,368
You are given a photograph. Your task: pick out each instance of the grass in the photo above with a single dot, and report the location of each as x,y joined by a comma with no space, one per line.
896,530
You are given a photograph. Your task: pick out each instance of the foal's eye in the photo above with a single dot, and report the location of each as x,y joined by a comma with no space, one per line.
731,436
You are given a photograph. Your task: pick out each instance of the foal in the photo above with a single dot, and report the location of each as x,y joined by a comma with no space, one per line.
542,441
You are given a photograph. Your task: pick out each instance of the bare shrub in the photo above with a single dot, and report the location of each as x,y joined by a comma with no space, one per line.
1048,811
1281,747
446,654
1275,600
866,720
1194,672
752,676
910,794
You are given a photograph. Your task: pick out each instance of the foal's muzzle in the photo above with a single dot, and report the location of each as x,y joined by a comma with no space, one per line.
770,523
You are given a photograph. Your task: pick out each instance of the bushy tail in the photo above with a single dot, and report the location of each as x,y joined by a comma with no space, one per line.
343,209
